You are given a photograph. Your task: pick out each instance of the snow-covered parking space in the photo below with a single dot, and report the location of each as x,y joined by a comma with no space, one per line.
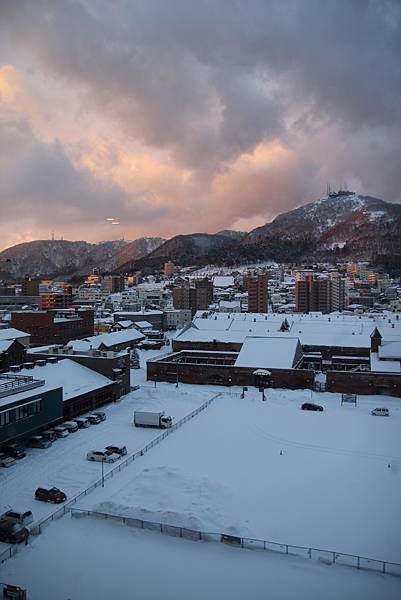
107,561
64,464
328,480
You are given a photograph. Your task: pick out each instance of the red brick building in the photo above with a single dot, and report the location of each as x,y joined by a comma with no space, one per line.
54,327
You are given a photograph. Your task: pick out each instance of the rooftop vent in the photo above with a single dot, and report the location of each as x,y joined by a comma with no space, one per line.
28,365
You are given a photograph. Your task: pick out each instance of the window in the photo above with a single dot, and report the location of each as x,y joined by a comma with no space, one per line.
4,418
21,412
36,407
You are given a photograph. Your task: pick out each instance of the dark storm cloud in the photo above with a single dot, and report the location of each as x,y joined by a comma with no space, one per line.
209,81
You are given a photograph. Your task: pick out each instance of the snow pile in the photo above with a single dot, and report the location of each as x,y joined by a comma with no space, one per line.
172,496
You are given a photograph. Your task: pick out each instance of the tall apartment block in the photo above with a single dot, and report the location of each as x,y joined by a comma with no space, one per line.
319,293
257,286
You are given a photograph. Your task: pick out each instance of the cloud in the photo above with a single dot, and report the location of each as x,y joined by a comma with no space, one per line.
189,116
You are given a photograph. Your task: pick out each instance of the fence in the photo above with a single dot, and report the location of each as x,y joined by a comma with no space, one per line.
328,557
37,528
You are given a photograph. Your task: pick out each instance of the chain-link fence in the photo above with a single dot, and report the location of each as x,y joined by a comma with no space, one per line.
328,557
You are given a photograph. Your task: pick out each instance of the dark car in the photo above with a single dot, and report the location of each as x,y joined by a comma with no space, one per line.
121,450
93,419
49,434
12,533
311,406
102,415
38,441
50,495
13,451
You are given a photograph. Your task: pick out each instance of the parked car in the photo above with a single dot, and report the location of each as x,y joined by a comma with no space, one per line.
12,533
107,457
93,419
82,423
49,434
71,426
38,441
50,495
380,412
14,451
60,431
102,415
311,406
6,461
15,516
121,450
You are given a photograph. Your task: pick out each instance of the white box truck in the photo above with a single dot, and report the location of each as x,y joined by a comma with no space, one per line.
152,419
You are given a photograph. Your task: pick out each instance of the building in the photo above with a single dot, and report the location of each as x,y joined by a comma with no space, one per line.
176,318
115,341
113,283
54,327
193,296
27,403
169,268
30,286
12,352
319,293
257,287
57,300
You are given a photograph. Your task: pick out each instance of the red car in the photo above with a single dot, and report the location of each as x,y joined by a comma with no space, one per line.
51,495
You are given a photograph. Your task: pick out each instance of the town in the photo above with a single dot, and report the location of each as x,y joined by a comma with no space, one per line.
93,360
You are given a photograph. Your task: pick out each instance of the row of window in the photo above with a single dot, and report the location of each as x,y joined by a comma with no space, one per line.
20,412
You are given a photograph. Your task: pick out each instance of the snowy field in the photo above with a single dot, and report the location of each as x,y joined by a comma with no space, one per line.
116,562
267,470
331,488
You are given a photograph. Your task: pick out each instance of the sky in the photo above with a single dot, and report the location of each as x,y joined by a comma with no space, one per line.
179,116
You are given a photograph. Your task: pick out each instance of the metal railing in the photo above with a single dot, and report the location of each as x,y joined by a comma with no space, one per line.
328,557
38,527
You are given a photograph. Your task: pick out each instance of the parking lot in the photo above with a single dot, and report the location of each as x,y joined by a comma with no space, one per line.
64,464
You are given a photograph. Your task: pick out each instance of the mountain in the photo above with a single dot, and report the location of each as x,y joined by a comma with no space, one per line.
62,258
185,250
338,225
136,250
231,233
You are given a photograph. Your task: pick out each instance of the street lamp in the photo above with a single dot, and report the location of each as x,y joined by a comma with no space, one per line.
102,473
262,380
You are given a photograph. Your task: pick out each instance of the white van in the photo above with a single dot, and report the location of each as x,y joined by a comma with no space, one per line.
380,412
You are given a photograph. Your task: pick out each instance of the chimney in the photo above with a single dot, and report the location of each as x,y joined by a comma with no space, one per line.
375,340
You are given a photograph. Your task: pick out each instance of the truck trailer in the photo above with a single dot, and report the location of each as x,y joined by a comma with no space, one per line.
152,419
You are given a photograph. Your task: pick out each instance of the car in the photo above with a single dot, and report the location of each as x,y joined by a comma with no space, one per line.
6,461
15,516
61,431
380,412
71,426
12,533
82,423
311,406
50,495
107,457
49,434
102,415
38,441
121,450
14,451
93,419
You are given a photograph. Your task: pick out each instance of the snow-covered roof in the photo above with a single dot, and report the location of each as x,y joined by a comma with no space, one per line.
143,324
5,344
74,378
223,281
12,334
269,353
107,339
390,350
384,366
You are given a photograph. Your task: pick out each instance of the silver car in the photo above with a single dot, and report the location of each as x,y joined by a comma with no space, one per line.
6,461
107,457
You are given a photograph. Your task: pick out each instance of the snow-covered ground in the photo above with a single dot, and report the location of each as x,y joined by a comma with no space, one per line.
329,480
76,559
331,488
64,464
